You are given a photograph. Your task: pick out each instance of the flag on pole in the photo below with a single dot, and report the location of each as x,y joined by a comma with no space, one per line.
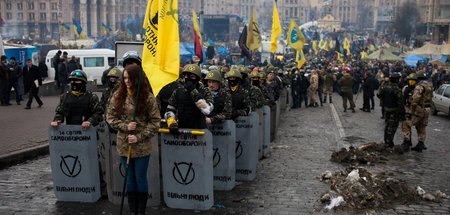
161,52
197,37
65,28
106,28
300,58
276,29
346,46
245,52
314,47
363,54
253,34
339,57
295,37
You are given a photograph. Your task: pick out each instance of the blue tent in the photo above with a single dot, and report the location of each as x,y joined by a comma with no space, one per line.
412,60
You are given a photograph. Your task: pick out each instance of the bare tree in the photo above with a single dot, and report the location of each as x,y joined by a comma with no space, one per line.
406,20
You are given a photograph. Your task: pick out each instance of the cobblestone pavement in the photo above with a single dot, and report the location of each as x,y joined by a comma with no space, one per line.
286,182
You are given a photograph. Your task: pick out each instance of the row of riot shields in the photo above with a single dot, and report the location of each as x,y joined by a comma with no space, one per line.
189,166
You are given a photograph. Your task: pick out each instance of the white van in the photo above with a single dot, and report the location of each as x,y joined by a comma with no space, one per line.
93,61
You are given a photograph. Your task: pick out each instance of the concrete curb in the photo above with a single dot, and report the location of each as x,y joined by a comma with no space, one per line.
22,155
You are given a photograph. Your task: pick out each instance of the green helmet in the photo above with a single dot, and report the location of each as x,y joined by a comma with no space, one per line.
421,75
78,75
244,69
254,74
233,73
192,68
214,75
412,76
114,72
262,76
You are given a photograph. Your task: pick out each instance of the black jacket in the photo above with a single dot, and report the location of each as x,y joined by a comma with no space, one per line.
30,75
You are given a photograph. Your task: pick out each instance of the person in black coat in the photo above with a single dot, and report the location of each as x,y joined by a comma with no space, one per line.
368,91
32,81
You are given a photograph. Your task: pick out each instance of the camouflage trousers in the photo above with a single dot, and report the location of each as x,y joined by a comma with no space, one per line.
312,95
392,119
328,90
419,122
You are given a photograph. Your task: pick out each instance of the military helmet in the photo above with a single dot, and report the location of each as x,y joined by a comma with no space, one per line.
421,75
78,75
412,76
214,75
130,57
114,72
233,73
262,76
254,74
394,75
192,68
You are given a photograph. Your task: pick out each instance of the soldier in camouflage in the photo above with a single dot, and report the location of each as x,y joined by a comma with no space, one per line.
112,79
329,80
222,98
257,99
268,97
190,103
420,109
393,101
408,91
239,96
78,106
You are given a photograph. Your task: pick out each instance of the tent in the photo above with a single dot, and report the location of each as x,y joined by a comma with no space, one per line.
438,63
382,54
412,60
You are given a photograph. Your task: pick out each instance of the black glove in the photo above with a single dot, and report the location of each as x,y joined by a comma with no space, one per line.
189,86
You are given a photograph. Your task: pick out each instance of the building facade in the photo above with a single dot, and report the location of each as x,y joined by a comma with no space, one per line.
39,19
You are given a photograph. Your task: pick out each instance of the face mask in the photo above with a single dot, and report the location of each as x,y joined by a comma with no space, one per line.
111,83
76,86
233,83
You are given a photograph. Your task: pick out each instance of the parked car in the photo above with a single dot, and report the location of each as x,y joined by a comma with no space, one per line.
441,100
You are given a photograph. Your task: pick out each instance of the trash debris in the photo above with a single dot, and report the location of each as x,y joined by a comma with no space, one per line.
420,191
361,189
335,202
438,196
366,154
326,175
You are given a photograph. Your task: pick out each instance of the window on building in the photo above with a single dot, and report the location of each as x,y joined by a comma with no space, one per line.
8,16
31,16
42,16
94,62
19,6
8,6
54,6
19,16
31,5
54,16
286,12
296,12
42,6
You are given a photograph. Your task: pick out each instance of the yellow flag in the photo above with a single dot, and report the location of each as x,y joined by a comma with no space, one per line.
363,54
324,45
300,58
295,37
196,27
254,35
314,47
339,57
276,29
347,45
331,45
161,52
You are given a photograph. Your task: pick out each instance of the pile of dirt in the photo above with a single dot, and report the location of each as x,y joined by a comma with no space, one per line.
357,188
365,154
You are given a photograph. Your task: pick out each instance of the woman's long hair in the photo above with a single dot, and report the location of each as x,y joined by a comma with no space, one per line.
133,71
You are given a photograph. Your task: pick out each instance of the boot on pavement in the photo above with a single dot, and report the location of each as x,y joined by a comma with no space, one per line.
419,147
142,203
325,99
331,99
132,202
406,145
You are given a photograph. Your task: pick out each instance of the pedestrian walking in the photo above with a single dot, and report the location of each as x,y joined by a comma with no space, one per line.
56,60
4,81
15,80
392,98
63,74
32,81
135,131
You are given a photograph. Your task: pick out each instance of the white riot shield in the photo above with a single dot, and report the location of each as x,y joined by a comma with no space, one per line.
283,99
260,132
73,158
187,170
266,133
224,158
247,139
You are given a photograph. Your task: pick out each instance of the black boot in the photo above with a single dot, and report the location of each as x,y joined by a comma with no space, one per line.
132,200
389,144
331,99
405,145
419,147
325,99
142,203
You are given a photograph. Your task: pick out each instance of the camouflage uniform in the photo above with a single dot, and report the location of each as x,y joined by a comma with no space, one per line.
268,95
408,91
392,95
256,95
420,109
329,78
64,110
222,99
312,90
239,96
